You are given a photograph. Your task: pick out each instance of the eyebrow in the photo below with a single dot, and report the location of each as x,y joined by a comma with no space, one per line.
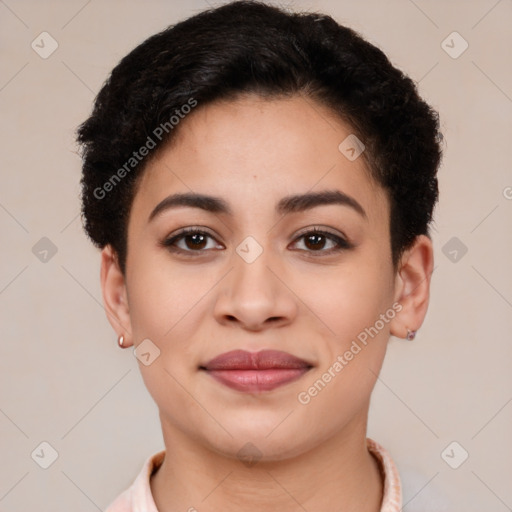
288,204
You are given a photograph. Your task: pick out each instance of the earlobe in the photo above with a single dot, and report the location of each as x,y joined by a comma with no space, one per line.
115,299
412,287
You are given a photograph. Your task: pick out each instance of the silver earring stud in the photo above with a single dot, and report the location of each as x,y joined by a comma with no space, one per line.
410,335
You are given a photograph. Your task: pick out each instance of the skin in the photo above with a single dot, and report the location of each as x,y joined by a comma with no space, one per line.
252,152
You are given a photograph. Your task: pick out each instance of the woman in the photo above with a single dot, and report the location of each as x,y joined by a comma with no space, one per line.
261,184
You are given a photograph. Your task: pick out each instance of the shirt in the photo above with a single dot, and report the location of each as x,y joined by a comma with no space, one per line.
138,497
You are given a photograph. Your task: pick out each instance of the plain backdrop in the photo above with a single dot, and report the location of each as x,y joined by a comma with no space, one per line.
64,382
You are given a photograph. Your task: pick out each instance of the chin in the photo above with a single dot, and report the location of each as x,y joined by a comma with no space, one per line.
258,449
262,440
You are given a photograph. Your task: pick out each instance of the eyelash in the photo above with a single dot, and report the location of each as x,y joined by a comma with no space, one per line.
169,243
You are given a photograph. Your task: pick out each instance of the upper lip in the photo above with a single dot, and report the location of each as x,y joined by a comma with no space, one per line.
263,360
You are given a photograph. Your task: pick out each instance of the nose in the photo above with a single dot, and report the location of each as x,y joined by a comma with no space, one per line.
252,297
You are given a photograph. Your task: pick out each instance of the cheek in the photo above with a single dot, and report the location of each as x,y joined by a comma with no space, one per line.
168,304
163,294
165,304
351,348
353,312
346,300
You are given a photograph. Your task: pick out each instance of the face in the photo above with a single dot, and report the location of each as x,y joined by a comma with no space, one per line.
290,252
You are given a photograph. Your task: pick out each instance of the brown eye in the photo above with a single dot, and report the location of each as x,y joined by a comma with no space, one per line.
191,240
195,241
315,241
321,242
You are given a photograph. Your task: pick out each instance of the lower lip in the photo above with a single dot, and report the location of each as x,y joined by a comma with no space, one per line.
257,380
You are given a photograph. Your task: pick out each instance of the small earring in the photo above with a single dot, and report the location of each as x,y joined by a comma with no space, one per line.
120,341
410,335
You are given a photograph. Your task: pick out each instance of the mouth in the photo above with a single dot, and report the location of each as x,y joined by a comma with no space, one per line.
256,371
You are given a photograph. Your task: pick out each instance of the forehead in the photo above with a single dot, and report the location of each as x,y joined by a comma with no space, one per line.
253,151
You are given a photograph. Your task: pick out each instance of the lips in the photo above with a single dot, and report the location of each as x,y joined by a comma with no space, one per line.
256,371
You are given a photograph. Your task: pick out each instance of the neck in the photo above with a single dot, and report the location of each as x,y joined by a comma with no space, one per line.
340,471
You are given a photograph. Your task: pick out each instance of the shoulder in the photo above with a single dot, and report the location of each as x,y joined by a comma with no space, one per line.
138,496
392,491
422,492
123,503
405,486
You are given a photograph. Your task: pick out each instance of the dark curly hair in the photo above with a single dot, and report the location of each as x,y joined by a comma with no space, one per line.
251,47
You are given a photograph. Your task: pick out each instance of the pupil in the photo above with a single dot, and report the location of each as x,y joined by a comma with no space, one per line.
315,241
197,241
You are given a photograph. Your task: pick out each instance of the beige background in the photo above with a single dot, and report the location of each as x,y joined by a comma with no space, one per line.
64,381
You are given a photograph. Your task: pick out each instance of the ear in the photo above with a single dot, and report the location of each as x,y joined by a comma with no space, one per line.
115,299
412,286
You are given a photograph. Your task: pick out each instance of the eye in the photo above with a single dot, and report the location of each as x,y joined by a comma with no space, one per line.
191,240
320,241
195,240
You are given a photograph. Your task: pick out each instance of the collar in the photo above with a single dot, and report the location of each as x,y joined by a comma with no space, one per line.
138,497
